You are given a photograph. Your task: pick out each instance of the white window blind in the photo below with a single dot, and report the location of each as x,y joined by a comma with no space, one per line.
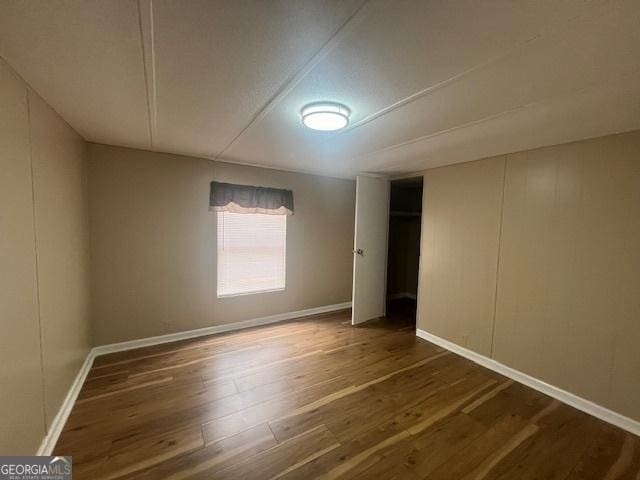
251,253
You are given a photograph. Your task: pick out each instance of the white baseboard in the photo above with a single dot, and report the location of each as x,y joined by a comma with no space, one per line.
227,327
569,398
395,296
50,440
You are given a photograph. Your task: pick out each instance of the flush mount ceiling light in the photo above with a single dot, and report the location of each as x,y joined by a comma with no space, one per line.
325,116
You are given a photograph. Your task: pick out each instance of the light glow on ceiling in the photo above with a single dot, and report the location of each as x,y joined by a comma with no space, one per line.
325,116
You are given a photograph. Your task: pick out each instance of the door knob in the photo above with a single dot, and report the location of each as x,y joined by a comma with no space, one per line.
359,251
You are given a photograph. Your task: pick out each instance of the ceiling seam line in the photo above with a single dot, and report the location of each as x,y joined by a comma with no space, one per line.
490,117
152,48
147,79
297,77
421,93
444,83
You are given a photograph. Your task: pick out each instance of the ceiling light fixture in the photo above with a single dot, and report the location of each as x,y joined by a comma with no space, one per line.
326,116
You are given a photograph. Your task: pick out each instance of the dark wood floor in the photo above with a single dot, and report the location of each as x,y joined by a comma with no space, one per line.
318,398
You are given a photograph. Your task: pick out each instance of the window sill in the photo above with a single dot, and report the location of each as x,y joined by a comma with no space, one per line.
254,292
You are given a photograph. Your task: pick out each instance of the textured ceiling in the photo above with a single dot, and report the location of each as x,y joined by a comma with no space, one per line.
429,82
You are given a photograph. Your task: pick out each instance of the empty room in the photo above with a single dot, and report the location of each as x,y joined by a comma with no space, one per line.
320,239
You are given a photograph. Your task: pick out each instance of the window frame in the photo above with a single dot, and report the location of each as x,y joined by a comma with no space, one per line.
252,292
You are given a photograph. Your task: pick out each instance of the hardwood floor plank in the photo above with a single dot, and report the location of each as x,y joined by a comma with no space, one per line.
213,458
385,398
424,452
264,412
354,389
123,461
627,462
605,456
283,458
500,453
487,396
561,429
347,451
371,452
120,391
515,399
182,413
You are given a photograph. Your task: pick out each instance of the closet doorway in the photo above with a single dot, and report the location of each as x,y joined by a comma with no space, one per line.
403,255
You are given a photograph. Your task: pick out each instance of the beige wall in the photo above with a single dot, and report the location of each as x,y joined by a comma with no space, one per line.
44,294
460,232
154,243
561,227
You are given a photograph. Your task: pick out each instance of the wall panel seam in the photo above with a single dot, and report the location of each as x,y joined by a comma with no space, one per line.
35,252
497,281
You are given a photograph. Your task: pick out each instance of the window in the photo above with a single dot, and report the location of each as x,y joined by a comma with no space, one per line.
251,253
